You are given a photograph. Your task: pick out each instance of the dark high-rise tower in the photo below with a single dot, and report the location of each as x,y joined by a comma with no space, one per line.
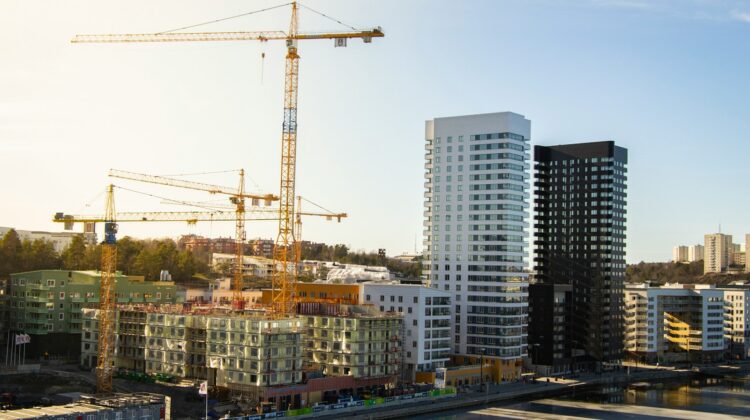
576,302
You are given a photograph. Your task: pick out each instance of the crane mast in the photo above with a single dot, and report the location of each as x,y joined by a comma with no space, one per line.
239,246
283,278
106,340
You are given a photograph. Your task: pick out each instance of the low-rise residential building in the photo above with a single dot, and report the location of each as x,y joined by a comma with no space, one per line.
427,316
252,266
263,358
675,322
240,352
352,340
48,304
59,240
353,273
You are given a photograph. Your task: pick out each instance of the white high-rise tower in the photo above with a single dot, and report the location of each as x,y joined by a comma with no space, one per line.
476,231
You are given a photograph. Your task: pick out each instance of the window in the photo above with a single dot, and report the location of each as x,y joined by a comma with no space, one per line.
416,299
50,283
408,310
382,298
62,295
61,316
400,299
367,297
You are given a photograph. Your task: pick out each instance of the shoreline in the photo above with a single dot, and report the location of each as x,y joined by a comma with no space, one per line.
517,392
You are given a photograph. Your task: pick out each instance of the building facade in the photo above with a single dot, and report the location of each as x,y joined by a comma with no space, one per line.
680,254
59,240
427,319
580,242
352,340
681,322
695,253
48,304
476,230
717,252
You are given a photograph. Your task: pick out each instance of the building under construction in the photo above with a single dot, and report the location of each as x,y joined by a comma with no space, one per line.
257,357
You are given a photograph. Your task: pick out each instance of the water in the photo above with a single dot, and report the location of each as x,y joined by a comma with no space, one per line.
706,398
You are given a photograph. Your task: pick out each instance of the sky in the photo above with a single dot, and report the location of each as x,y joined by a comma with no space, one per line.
667,79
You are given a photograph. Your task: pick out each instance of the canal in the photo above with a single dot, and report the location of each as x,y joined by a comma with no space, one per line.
700,398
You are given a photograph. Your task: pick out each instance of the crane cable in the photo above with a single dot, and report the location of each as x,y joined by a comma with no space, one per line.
328,17
165,198
223,19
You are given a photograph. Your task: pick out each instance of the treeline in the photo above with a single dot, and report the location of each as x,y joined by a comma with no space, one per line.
664,272
341,254
134,257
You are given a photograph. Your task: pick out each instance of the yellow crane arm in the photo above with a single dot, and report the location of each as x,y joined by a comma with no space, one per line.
181,183
166,216
260,214
221,36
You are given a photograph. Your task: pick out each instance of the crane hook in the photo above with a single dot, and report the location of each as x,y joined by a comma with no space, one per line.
262,63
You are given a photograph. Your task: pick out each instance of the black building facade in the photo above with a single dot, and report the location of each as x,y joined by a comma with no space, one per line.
576,301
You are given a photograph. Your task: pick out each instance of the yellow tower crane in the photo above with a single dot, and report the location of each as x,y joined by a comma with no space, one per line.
283,282
236,197
106,341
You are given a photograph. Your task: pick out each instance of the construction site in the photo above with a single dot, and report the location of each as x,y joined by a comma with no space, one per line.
279,354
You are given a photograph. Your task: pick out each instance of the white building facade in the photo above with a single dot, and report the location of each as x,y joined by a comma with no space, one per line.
427,317
678,322
476,229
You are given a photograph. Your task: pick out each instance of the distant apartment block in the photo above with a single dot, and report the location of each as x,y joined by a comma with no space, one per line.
200,244
680,254
476,205
576,302
718,249
252,266
679,322
695,253
59,240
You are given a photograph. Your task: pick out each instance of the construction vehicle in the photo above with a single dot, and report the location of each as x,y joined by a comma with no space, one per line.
284,252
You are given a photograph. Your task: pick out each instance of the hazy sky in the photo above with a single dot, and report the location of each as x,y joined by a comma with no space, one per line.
667,79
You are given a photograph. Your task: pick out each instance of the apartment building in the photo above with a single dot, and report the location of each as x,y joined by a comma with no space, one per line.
252,266
352,340
427,318
59,240
718,251
476,230
48,304
695,253
737,320
239,352
580,225
680,254
674,322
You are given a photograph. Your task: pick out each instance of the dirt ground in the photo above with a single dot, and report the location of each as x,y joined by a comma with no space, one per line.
41,389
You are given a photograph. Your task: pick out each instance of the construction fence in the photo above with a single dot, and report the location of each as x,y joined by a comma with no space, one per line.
357,404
